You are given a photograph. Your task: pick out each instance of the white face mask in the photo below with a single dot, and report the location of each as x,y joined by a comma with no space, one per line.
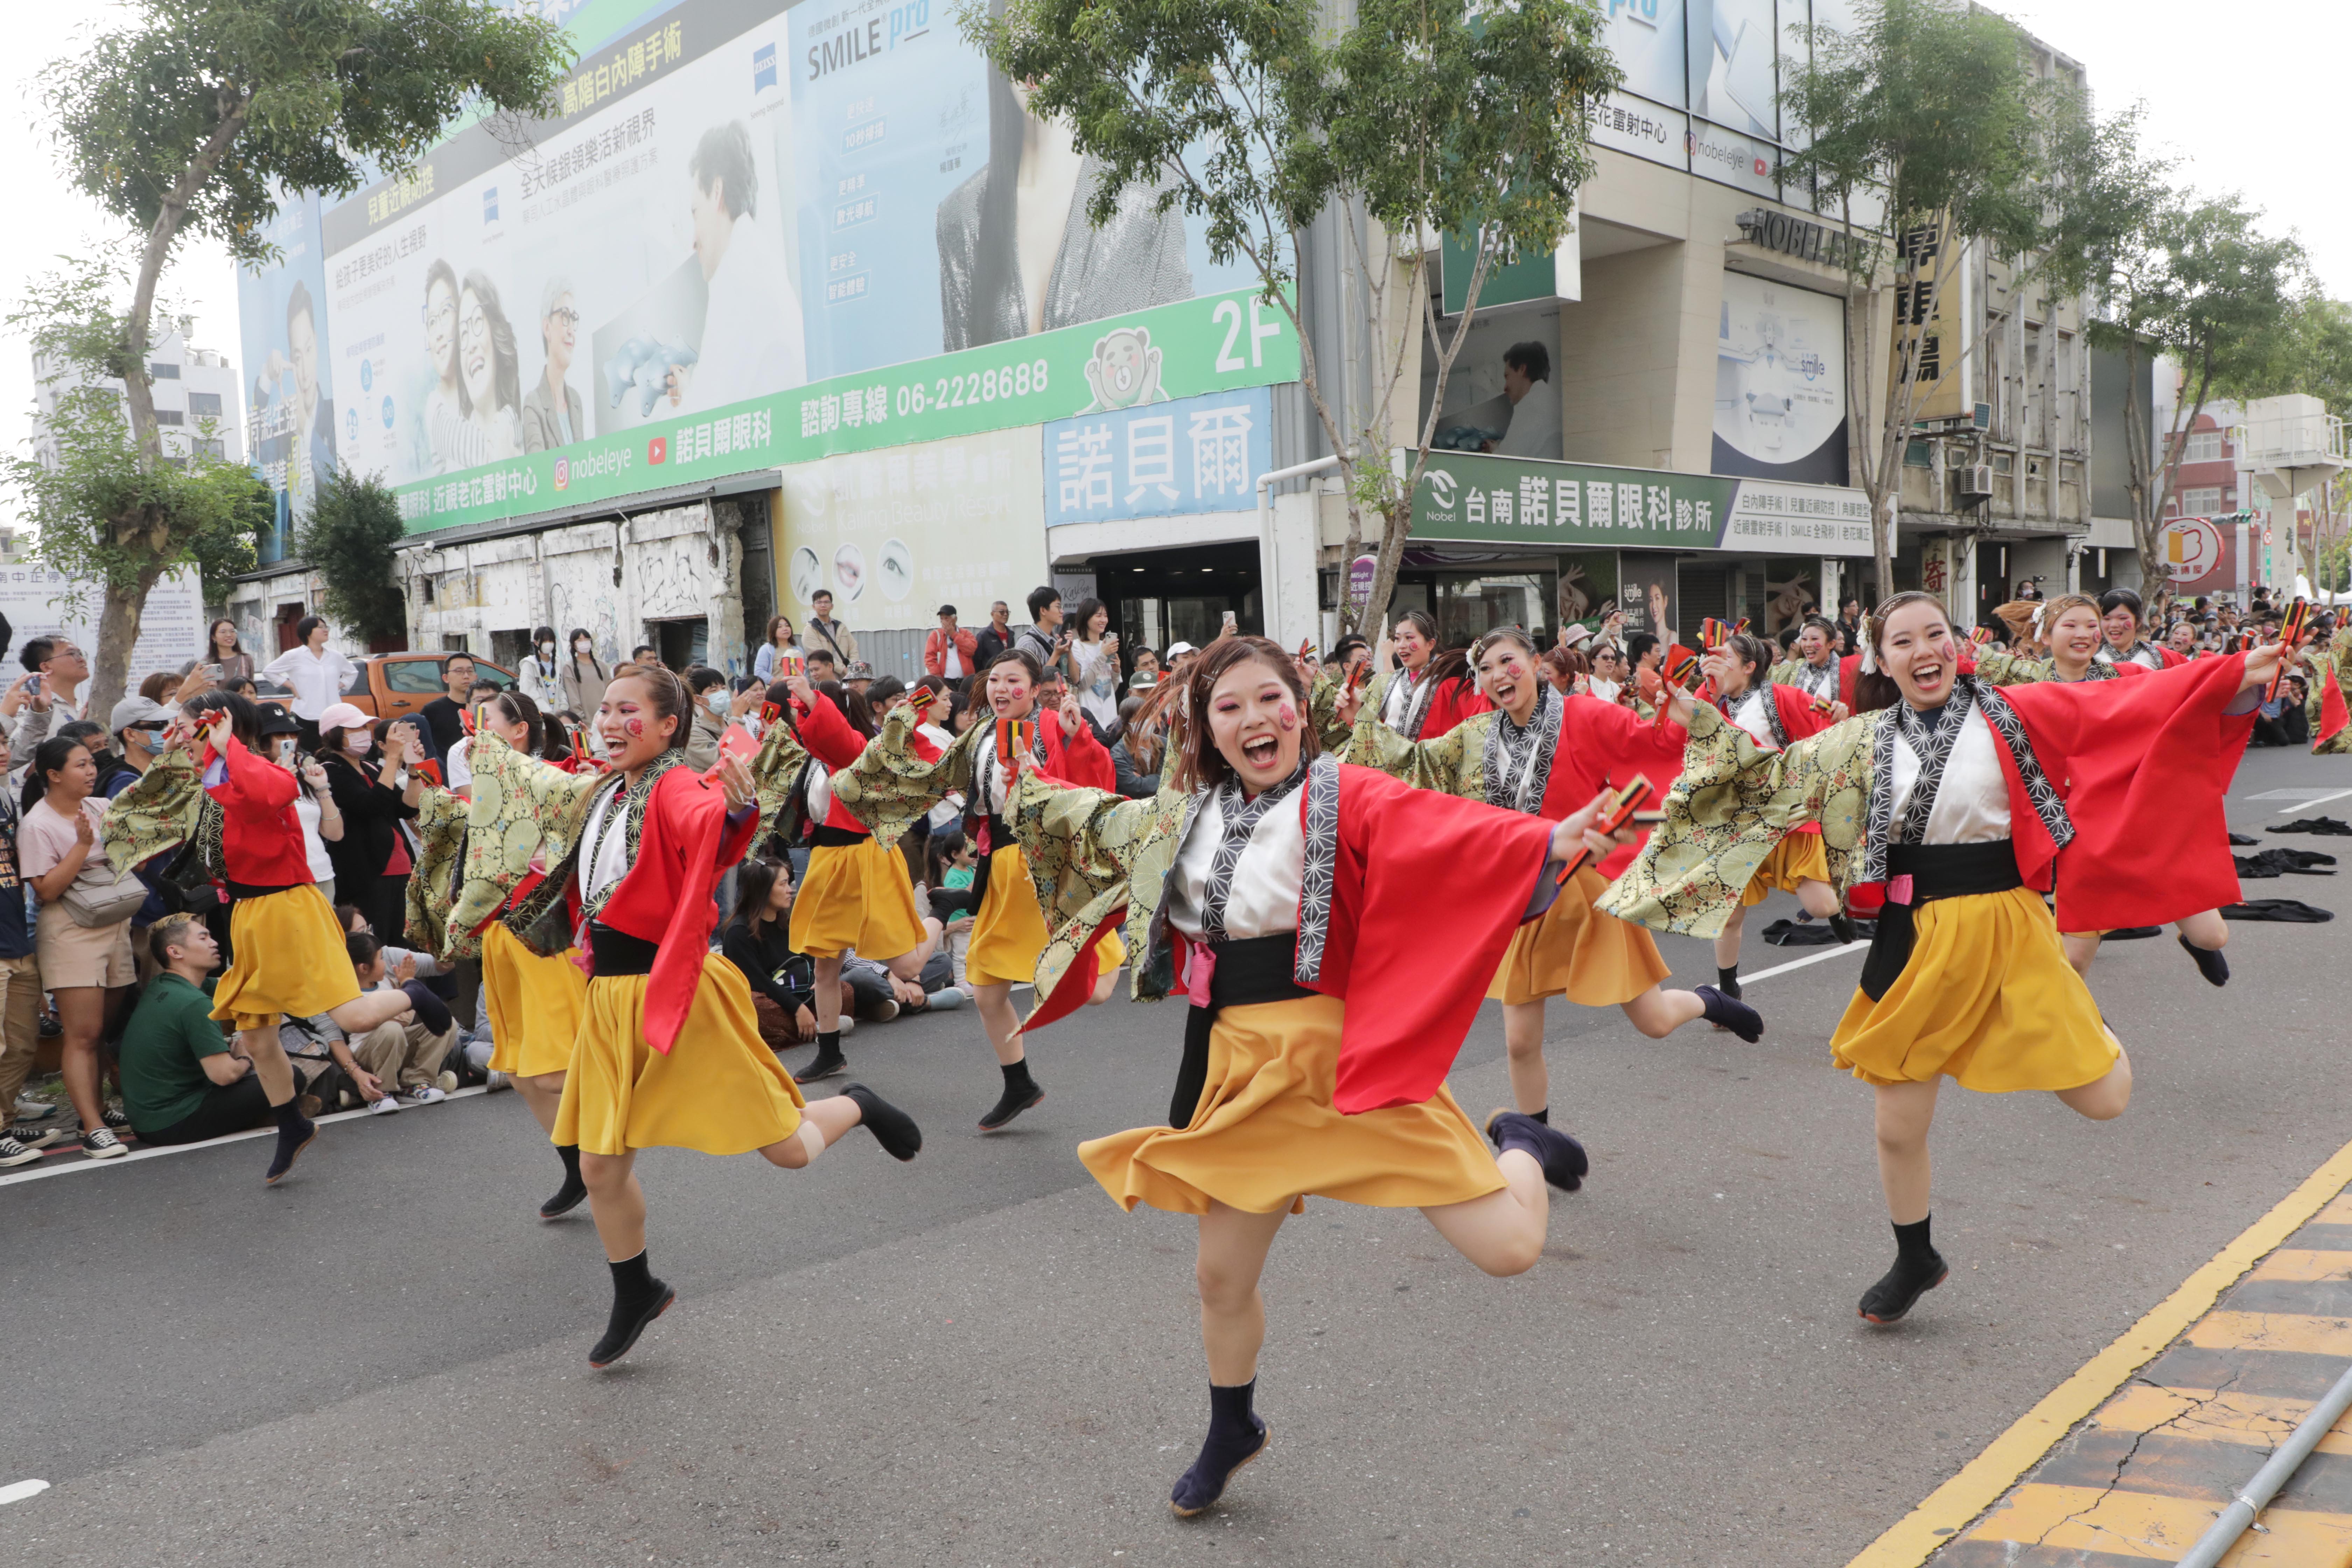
360,744
716,700
547,650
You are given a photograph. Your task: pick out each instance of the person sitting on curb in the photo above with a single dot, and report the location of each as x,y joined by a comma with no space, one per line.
406,1052
183,1081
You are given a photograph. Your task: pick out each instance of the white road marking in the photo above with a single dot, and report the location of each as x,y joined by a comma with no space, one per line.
68,1166
2307,805
17,1491
1747,980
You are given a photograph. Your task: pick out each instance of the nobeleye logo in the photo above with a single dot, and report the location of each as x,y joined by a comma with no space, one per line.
1441,488
563,473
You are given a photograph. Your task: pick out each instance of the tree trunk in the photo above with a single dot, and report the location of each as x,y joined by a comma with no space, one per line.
118,629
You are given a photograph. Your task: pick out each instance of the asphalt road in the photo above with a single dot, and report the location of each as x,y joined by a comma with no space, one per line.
978,1359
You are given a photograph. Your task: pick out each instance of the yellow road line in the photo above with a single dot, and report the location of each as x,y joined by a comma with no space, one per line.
2143,1524
2296,1333
1981,1483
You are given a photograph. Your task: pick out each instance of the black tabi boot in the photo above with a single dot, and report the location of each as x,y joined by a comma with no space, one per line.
1842,928
1725,1010
1236,1436
892,1128
1919,1269
295,1134
1561,1156
2210,962
637,1299
829,1060
1021,1093
569,1195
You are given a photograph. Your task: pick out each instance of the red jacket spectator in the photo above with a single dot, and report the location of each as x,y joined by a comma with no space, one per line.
935,650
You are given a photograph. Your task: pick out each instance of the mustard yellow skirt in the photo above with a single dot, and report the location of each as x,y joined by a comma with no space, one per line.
289,958
1987,1000
1264,1136
719,1089
1798,857
1007,930
857,895
535,1005
1573,949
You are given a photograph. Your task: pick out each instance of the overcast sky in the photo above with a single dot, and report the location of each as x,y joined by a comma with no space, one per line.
2242,96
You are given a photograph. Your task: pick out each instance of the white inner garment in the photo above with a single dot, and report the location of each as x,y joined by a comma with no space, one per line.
1748,712
1972,800
607,853
1263,900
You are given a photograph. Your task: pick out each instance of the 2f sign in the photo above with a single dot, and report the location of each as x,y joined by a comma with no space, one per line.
1229,311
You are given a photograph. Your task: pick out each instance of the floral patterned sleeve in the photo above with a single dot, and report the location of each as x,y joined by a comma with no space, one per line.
1734,801
891,784
156,813
2008,670
1323,713
1434,764
1092,854
775,771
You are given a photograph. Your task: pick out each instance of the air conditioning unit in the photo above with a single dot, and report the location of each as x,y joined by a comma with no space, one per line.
1976,483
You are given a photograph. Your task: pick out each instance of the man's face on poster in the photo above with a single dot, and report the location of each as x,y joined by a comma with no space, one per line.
302,348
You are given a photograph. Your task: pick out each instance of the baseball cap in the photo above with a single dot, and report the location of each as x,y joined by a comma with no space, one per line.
276,721
859,671
1178,649
341,716
135,710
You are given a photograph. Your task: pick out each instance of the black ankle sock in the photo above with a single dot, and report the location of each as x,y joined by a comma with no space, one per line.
1021,1093
637,1299
828,1042
633,1278
1235,1435
1727,979
892,1128
1543,1116
1919,1269
290,1115
570,1194
1016,1075
1911,1243
2210,962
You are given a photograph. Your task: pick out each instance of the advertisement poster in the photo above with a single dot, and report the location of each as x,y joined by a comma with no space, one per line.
1163,460
895,535
282,334
1473,497
1780,382
1649,601
36,600
1588,585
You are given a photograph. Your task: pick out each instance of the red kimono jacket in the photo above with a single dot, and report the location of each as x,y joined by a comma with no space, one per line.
1604,746
261,838
689,838
829,738
1453,702
2144,767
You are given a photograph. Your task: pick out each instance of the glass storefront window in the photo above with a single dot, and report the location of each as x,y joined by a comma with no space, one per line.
1471,605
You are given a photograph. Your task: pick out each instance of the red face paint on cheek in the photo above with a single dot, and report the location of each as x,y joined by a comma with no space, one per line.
634,727
1286,716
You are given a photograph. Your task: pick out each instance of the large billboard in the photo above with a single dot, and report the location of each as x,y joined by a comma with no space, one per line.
755,235
1541,504
1780,382
289,386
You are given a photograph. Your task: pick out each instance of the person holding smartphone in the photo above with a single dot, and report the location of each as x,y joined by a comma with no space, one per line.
377,793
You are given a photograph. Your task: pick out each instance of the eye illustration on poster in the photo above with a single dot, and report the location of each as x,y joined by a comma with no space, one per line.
1780,382
283,336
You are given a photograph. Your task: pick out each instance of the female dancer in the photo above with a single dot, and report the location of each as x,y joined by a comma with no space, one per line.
1774,715
855,893
1545,755
668,1053
2070,625
1291,893
1949,798
896,780
2121,617
532,984
287,952
1429,692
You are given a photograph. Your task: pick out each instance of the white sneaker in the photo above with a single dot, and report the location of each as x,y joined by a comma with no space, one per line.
384,1107
31,1109
498,1080
848,1025
424,1094
447,1082
14,1154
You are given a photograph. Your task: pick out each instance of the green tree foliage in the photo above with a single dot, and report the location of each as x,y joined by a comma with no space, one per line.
1927,107
2194,280
191,114
100,517
349,540
1415,118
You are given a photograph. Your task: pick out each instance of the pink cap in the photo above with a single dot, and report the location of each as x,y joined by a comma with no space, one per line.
341,716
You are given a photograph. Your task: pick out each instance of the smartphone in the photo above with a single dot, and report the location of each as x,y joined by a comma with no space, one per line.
1614,815
1230,622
